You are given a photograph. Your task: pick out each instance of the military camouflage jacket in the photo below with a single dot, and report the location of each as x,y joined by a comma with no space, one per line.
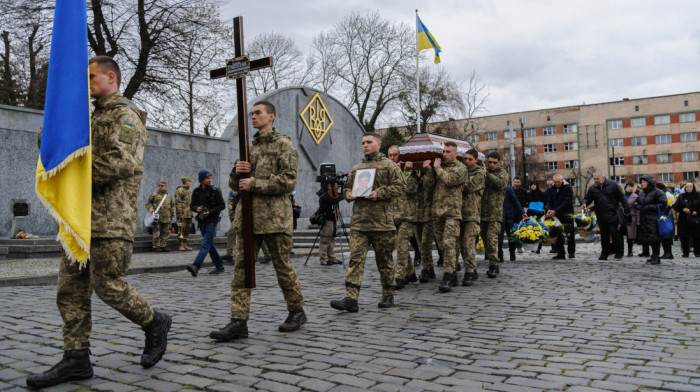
273,160
471,194
376,215
165,214
118,141
183,198
447,196
494,190
425,196
397,205
408,205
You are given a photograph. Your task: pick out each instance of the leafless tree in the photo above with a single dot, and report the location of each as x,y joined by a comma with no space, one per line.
368,55
288,66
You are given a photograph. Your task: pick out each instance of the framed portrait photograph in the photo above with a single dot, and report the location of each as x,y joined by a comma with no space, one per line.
364,180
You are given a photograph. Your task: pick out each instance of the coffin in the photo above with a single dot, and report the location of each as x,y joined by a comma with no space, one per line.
422,146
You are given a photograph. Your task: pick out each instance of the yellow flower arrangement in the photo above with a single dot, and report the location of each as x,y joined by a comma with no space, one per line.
480,245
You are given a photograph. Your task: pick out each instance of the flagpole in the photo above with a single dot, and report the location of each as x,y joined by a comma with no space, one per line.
417,78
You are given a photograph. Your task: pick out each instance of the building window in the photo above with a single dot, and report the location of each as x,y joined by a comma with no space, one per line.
638,122
690,176
664,158
615,142
617,161
614,124
571,128
491,136
665,177
506,134
572,181
639,141
551,165
691,156
529,150
662,120
473,138
530,132
686,117
618,179
663,139
571,164
550,148
689,137
570,146
640,160
685,103
549,131
636,108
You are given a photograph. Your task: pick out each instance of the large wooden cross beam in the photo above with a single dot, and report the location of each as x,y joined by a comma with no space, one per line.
238,68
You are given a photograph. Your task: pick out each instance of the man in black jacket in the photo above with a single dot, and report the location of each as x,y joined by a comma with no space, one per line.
208,203
560,203
607,197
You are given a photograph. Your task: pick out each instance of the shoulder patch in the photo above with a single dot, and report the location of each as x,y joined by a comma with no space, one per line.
126,134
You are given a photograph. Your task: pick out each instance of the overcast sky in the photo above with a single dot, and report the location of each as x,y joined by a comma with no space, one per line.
532,54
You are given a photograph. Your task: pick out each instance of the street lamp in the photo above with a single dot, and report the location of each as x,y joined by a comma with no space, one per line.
522,140
512,149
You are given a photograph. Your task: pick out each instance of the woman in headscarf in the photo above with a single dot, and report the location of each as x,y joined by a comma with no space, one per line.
688,206
631,233
648,202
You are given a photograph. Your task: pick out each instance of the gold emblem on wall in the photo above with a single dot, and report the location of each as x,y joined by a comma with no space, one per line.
316,118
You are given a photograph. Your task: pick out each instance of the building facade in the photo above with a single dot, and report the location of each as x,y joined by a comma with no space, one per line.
624,139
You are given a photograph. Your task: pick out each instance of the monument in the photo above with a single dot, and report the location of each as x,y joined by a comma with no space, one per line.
322,129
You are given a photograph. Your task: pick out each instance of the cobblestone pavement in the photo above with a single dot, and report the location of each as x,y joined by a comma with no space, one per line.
574,325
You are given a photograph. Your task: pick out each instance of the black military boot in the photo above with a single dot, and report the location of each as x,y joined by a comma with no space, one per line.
446,285
400,283
235,329
492,272
468,279
410,278
454,280
74,366
386,302
156,339
348,304
426,275
293,322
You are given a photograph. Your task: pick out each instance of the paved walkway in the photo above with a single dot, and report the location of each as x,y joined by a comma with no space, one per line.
574,325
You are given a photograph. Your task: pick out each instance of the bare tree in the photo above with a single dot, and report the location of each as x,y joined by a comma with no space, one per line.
368,55
288,68
441,98
322,63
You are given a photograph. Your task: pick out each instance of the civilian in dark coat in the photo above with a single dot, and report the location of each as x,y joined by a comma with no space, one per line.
607,197
633,220
688,205
560,203
511,210
648,203
667,240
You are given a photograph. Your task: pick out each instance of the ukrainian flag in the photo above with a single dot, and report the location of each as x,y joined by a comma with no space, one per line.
426,40
64,169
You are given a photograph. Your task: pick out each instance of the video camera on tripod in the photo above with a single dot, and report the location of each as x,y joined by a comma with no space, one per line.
328,176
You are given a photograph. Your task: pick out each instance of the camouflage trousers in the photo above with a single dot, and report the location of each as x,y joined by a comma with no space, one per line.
109,262
447,236
383,244
489,234
185,230
404,265
468,233
280,246
161,232
325,247
231,239
425,237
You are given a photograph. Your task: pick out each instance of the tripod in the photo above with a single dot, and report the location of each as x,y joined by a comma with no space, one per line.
338,218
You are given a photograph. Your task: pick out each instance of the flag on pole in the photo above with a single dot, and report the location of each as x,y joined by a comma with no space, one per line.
64,168
426,40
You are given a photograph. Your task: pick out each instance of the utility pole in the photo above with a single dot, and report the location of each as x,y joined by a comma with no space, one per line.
512,149
522,140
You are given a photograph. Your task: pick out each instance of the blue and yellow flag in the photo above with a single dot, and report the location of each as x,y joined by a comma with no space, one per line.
64,169
426,40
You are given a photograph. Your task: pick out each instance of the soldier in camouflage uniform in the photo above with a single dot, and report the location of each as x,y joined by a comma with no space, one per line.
471,216
405,270
161,231
372,224
118,141
233,198
273,177
450,177
183,198
495,181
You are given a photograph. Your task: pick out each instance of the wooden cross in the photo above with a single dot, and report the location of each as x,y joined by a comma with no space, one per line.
238,68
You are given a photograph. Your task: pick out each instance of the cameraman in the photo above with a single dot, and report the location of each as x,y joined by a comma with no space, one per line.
325,216
208,203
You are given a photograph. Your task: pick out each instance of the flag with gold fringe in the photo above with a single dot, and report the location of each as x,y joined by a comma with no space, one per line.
64,168
426,40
